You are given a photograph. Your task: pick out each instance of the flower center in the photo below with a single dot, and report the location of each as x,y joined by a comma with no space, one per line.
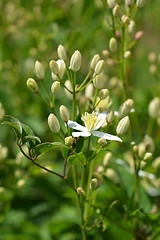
90,121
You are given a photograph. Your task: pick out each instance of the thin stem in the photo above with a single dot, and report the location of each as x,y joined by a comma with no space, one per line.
85,80
43,99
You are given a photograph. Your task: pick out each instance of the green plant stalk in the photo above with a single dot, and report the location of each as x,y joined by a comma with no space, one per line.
85,80
45,87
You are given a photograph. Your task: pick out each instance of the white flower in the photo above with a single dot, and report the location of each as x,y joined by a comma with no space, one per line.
92,122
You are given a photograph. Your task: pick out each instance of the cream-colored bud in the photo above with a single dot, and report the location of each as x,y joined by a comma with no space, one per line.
147,156
2,111
106,53
100,169
99,67
111,3
54,67
89,91
32,85
110,116
141,150
131,27
127,54
20,183
39,69
125,108
76,61
69,86
98,81
112,175
129,2
80,191
113,45
156,162
135,149
140,3
125,20
62,53
103,94
64,113
56,87
102,142
123,126
69,141
152,57
94,184
53,123
139,35
94,61
107,159
154,108
153,69
116,10
61,70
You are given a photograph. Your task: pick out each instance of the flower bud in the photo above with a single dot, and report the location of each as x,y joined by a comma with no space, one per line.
152,57
147,156
80,191
112,175
106,53
21,183
54,67
89,91
123,126
2,111
98,81
131,27
94,184
99,67
64,113
69,141
129,2
140,3
113,45
32,85
107,159
125,20
110,116
139,35
61,70
39,69
100,169
55,88
102,142
111,3
76,61
125,108
53,123
135,149
127,54
103,94
141,150
62,53
116,11
153,69
154,108
94,61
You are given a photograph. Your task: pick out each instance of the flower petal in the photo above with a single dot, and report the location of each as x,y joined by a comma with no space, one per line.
75,125
100,119
106,136
82,134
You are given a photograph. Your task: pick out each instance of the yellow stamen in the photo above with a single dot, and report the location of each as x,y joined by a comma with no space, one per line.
90,121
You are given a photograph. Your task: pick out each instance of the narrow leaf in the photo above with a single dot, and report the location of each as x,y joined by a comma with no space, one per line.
45,147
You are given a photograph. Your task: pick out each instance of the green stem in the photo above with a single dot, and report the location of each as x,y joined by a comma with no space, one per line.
43,99
85,80
49,97
150,126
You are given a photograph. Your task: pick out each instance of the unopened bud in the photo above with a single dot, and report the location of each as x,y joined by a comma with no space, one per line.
54,67
141,150
147,156
61,69
107,159
53,123
64,113
80,191
127,54
94,61
125,20
39,69
100,169
111,3
62,53
20,183
55,88
125,108
129,2
135,149
89,91
102,142
131,27
116,11
69,141
140,3
113,45
110,116
76,61
99,67
98,81
94,184
152,57
154,108
123,126
2,111
139,35
32,85
103,94
153,69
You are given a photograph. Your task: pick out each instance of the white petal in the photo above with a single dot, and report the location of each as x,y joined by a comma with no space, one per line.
101,118
75,125
106,136
82,134
54,76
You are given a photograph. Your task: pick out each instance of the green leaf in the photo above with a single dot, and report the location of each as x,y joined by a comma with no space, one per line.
45,147
29,136
15,123
35,138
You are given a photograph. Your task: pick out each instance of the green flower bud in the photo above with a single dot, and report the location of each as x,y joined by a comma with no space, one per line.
141,150
112,175
135,149
99,67
140,3
98,81
147,156
116,11
123,126
154,108
62,53
53,123
39,69
76,61
102,142
113,45
55,88
69,141
64,113
103,94
94,61
32,85
80,191
110,116
94,184
107,159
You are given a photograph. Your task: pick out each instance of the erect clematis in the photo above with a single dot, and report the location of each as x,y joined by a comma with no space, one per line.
92,122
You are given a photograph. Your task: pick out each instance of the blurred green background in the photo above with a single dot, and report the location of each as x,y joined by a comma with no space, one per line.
42,206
